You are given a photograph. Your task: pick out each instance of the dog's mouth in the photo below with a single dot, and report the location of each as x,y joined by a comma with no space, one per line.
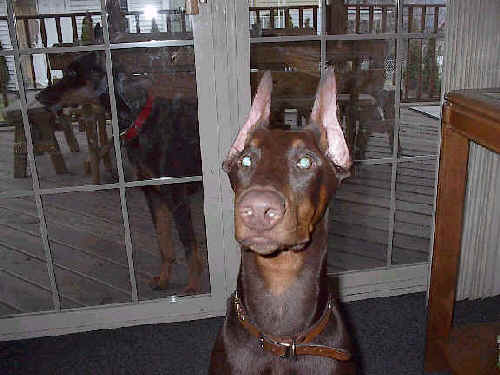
265,246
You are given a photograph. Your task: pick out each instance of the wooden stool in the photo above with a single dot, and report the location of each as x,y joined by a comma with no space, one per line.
93,120
44,140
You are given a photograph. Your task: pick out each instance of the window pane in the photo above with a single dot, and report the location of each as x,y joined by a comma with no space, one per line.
422,69
296,74
24,281
88,247
139,21
15,172
69,113
419,130
57,23
359,220
168,232
288,17
414,207
361,17
157,106
424,16
4,29
365,72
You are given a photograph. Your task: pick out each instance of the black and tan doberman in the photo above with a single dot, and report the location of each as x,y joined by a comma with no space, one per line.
160,136
282,318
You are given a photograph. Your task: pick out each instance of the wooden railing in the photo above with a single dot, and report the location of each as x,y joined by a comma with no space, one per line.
260,14
172,17
293,20
265,17
42,18
420,77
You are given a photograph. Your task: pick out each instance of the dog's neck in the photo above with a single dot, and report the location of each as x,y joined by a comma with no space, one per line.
286,293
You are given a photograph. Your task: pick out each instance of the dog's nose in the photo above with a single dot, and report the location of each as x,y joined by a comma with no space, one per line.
261,209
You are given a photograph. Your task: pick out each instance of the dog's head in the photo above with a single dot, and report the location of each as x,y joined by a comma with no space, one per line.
283,180
84,82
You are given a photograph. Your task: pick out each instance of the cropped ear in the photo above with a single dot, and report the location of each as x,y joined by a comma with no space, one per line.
324,119
259,116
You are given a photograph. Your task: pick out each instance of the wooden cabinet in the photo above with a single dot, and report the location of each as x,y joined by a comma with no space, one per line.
468,115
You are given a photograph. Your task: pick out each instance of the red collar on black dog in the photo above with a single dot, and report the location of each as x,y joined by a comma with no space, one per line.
134,129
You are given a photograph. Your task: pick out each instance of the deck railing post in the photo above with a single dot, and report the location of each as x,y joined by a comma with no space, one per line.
315,18
58,30
384,19
75,28
370,22
358,19
422,19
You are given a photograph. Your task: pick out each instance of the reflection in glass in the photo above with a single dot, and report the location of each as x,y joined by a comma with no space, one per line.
359,220
69,113
422,69
365,72
414,207
424,16
87,241
361,17
168,233
24,281
14,164
57,23
139,21
4,30
157,107
296,74
419,130
285,18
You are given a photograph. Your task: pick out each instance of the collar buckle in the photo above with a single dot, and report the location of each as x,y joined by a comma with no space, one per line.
290,350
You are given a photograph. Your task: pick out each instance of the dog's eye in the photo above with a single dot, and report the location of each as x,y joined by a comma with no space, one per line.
304,162
246,161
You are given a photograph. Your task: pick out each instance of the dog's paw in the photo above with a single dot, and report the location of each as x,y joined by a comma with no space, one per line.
157,284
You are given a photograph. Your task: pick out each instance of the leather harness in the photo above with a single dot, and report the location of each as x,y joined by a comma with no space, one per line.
291,347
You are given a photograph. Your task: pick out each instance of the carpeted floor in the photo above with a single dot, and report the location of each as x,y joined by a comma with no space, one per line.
388,333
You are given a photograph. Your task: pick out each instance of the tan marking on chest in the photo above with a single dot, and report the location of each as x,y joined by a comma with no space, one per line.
280,271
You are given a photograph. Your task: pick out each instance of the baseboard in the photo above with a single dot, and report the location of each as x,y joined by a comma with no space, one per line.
108,317
381,282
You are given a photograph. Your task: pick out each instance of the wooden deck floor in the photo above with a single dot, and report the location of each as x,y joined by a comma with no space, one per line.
87,237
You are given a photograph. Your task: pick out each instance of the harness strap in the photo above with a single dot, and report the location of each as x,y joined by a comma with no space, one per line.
290,347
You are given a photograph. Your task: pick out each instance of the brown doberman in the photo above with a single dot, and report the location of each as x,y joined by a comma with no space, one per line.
282,318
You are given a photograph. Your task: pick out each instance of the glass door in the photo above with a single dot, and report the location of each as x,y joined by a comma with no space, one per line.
110,191
388,58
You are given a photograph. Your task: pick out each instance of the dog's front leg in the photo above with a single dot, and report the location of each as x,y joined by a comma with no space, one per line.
162,219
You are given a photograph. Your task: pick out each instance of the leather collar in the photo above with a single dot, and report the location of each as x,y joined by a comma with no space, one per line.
134,129
288,346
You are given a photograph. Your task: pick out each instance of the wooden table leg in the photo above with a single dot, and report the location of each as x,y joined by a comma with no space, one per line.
93,144
105,144
447,240
20,151
48,142
69,134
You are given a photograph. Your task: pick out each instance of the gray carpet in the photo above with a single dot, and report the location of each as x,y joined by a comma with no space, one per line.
388,334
